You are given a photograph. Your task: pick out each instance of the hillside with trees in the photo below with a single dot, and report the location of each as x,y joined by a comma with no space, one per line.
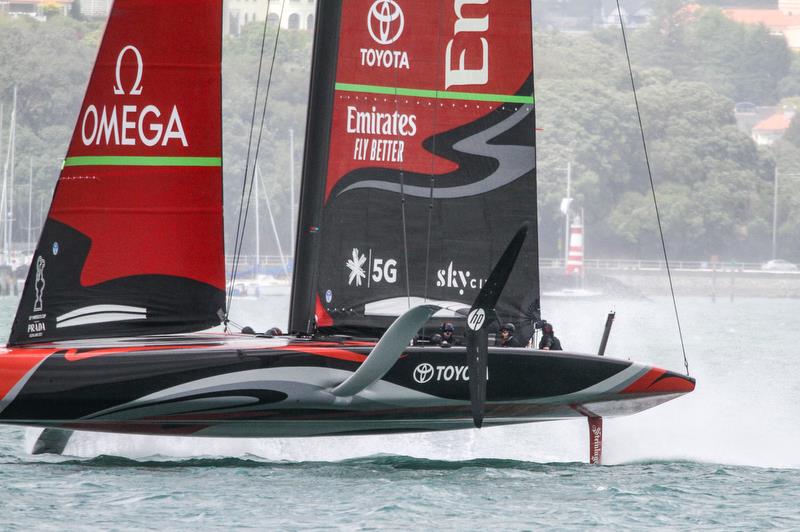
691,67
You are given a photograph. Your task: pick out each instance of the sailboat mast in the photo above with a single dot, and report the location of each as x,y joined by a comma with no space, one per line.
260,177
9,162
315,165
5,174
10,195
2,117
29,245
291,188
258,228
2,158
566,213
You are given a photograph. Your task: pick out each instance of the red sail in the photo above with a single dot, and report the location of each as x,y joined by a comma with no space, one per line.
429,167
133,243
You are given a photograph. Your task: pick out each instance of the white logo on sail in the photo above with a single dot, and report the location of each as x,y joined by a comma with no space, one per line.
356,266
464,32
380,270
387,18
137,85
38,304
476,318
423,373
131,125
452,277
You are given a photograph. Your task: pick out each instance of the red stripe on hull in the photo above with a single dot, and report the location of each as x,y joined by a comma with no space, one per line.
656,381
15,364
341,354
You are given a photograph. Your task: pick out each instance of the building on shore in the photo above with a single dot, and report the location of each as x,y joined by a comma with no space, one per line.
297,14
37,9
783,21
95,8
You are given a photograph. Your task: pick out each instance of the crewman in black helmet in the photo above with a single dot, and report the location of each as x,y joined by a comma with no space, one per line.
445,337
549,342
507,338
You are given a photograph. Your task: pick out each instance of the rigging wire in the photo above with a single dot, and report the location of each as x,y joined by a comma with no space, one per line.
653,188
403,205
432,184
244,204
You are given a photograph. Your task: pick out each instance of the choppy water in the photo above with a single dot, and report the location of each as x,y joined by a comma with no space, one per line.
724,457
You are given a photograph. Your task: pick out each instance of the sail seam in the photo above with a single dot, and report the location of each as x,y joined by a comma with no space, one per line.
113,160
435,94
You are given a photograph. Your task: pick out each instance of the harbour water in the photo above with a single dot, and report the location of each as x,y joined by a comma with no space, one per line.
723,457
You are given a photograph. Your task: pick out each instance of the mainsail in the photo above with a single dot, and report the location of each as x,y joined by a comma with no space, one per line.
133,241
420,161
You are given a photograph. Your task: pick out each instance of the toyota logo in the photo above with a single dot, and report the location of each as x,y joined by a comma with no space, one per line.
387,18
423,373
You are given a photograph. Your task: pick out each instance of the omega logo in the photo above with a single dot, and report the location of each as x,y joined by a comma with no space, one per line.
388,16
123,124
137,85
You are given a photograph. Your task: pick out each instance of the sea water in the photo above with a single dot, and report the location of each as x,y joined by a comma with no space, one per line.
723,457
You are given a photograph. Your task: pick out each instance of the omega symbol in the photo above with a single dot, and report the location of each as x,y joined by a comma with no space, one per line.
137,85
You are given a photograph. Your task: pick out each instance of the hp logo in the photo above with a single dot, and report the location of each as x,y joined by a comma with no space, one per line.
476,318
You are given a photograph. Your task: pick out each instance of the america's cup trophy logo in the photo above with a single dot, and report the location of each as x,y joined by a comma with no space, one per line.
38,304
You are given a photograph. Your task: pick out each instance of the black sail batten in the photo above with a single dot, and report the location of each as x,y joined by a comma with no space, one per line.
315,165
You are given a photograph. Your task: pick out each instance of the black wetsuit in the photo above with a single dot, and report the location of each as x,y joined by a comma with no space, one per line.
549,341
511,341
438,339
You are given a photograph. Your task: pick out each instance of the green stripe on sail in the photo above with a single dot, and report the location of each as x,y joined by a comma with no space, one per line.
438,95
114,160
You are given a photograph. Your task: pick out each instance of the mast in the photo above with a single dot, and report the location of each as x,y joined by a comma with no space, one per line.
260,177
567,201
292,205
8,182
3,165
10,196
29,242
315,164
258,229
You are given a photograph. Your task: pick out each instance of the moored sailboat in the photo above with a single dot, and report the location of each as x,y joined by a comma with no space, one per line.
418,179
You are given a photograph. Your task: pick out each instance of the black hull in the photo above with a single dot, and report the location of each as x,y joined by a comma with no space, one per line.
211,385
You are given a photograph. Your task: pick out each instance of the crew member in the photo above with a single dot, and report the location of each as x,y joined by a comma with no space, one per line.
507,338
549,342
446,336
